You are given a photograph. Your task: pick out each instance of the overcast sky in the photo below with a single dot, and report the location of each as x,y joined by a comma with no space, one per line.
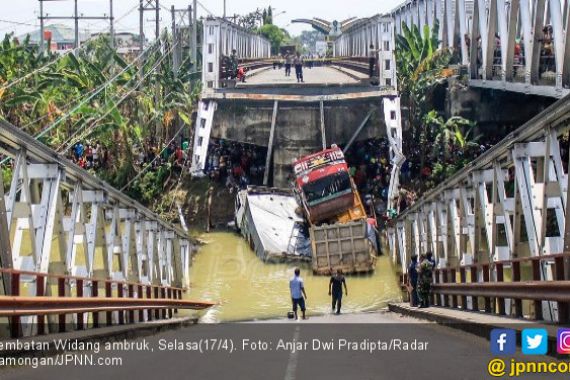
27,11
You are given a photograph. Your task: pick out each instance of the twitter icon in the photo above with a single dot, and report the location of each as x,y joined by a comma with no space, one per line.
534,342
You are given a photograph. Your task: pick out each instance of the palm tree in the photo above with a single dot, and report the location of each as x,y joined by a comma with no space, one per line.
419,62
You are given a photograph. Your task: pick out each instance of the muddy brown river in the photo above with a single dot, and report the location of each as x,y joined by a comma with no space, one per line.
226,270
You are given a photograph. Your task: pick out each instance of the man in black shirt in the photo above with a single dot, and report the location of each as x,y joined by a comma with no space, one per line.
335,289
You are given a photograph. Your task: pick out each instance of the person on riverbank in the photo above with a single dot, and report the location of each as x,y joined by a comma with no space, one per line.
335,289
298,294
413,281
425,270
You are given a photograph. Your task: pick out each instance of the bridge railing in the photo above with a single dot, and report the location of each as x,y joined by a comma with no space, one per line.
509,45
56,219
353,47
508,204
221,37
80,309
501,287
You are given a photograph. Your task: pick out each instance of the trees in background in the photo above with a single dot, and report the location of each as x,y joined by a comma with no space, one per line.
146,101
275,35
435,147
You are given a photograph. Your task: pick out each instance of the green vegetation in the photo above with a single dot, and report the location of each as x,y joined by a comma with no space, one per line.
140,100
275,35
436,147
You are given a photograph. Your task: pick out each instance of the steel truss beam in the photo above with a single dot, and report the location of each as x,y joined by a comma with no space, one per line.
220,37
470,27
509,203
63,221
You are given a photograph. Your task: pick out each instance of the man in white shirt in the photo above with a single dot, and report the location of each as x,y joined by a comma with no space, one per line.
297,288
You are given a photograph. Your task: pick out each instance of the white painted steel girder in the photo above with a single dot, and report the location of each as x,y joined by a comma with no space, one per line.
355,42
220,37
492,61
509,203
62,220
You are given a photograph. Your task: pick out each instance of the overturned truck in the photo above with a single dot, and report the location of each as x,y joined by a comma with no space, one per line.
322,219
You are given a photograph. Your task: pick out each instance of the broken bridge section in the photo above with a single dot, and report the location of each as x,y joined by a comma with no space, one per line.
338,101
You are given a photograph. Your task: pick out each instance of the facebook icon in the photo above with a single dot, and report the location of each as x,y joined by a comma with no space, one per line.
503,341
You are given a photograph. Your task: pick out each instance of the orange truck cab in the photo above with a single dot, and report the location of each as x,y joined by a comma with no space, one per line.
324,184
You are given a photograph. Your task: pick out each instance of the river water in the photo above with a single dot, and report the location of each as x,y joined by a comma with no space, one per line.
227,271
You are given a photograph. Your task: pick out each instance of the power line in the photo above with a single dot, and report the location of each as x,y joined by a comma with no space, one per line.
206,9
71,142
97,91
23,23
101,88
30,74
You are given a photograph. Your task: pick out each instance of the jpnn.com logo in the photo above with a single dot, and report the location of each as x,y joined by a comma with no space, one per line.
503,341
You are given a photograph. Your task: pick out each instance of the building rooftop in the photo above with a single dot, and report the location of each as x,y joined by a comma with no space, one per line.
60,34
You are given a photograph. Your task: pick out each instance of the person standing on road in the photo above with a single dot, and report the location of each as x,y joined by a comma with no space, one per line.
413,281
372,53
288,61
297,288
429,257
298,61
234,62
425,270
335,289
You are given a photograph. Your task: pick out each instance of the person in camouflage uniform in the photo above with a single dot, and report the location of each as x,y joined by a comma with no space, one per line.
425,274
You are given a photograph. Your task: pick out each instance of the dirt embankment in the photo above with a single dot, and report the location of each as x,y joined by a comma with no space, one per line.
193,197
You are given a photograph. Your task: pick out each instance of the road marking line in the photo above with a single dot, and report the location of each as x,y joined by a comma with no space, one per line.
293,356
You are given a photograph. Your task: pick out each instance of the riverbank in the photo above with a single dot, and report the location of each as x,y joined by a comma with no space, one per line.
193,197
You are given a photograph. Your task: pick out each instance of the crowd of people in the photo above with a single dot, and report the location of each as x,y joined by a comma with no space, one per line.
371,169
547,59
236,165
94,155
90,155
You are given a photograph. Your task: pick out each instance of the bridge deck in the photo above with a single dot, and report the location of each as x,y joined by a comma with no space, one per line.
314,76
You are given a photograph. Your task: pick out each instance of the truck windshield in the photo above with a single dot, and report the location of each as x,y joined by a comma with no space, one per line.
327,188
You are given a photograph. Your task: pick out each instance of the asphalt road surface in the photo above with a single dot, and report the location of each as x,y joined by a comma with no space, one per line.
365,346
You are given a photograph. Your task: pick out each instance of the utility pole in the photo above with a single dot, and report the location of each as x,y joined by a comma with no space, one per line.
195,36
111,24
181,23
42,47
175,41
141,27
190,31
152,6
224,10
76,17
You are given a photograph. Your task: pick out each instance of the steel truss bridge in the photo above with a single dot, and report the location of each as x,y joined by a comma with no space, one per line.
74,251
72,247
499,226
502,43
